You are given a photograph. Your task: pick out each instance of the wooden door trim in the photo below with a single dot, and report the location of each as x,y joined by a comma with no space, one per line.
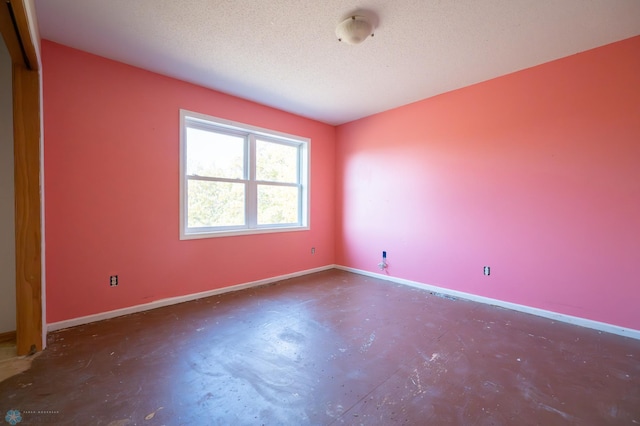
30,56
14,25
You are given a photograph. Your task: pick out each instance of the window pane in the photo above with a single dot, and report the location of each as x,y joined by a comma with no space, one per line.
215,204
276,162
214,154
277,204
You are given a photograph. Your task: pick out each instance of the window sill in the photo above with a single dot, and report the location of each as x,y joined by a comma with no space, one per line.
239,232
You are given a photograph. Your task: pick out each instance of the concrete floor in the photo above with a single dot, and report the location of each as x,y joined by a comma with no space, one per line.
329,348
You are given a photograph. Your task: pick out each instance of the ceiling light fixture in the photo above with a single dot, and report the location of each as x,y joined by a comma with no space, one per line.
354,30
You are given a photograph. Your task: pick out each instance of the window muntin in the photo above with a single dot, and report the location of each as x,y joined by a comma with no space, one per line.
238,179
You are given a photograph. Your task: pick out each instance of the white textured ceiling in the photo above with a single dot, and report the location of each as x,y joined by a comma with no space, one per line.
283,53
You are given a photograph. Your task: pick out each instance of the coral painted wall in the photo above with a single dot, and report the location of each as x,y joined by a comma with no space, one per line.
536,174
112,189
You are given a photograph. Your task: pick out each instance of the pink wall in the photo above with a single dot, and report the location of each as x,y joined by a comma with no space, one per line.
112,180
536,174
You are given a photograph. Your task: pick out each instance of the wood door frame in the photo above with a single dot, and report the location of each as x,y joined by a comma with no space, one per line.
17,35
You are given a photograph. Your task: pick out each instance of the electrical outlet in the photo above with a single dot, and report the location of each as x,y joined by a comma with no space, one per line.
113,280
313,250
383,265
487,270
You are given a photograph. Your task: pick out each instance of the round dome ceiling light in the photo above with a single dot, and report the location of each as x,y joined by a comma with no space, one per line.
354,30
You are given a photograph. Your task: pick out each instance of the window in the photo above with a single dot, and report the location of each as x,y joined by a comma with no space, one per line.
238,179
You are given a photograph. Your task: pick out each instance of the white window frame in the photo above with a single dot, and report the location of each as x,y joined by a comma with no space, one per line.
251,226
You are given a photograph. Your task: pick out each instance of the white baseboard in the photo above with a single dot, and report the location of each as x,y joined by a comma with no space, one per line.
175,300
583,322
